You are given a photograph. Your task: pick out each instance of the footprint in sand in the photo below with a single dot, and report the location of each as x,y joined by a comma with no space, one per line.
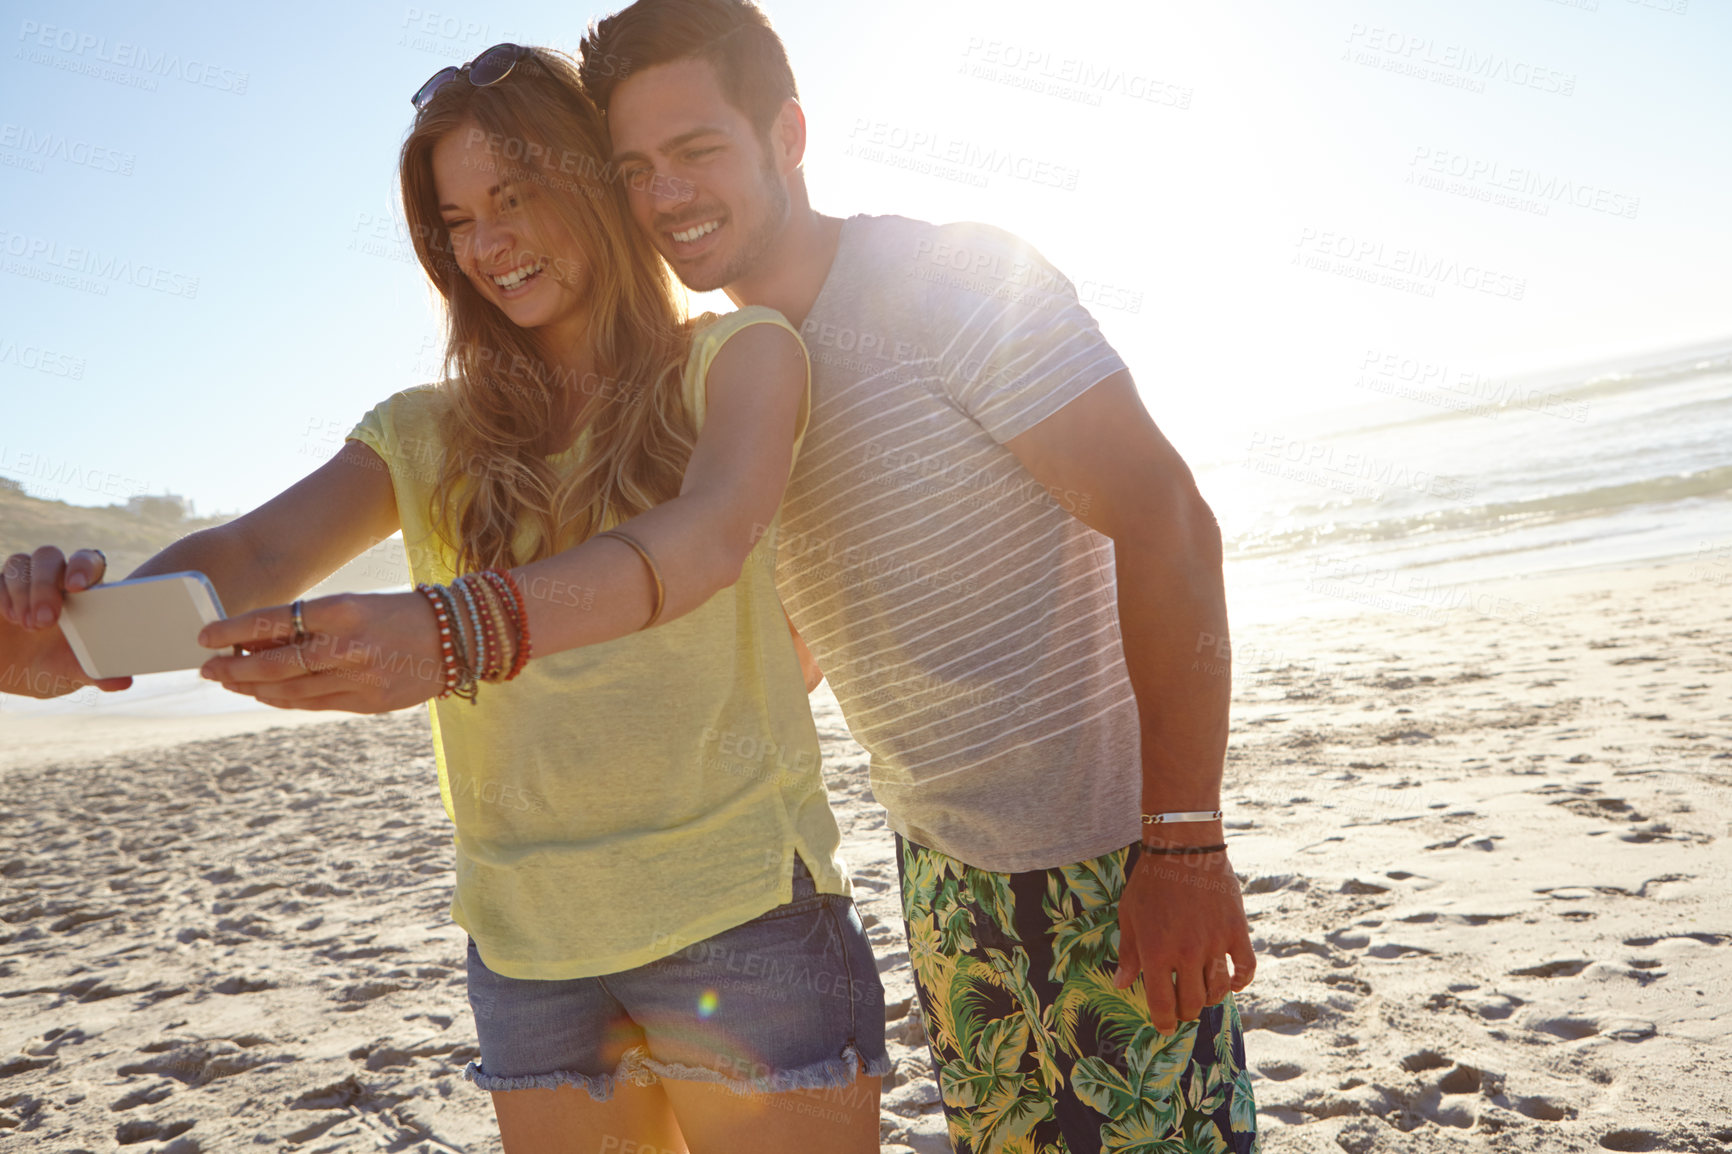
341,1102
143,1096
11,1067
52,1041
355,996
1384,949
1606,808
1422,1060
1495,1007
1270,883
1637,1140
1570,1029
1461,1080
1543,1109
135,1130
1485,844
1255,1015
1434,1099
1708,939
196,1063
1564,968
315,1128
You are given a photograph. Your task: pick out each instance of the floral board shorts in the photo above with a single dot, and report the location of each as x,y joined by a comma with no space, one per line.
1035,1050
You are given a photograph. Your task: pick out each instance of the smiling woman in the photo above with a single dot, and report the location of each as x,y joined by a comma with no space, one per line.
601,833
538,276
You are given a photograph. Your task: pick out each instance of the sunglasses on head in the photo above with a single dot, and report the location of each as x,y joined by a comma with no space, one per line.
490,67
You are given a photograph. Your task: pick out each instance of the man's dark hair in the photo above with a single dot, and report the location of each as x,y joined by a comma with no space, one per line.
733,35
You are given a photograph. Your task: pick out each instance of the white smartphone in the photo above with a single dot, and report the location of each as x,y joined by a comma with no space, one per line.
146,625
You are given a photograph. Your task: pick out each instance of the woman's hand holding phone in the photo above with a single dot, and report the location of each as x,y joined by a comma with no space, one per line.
35,660
364,653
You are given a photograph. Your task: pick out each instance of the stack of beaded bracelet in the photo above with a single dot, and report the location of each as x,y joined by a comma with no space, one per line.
435,595
483,630
506,584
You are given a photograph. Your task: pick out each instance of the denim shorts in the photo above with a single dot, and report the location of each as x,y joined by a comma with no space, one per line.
788,1001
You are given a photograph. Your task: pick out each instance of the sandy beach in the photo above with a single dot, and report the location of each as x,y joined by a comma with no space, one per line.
1481,856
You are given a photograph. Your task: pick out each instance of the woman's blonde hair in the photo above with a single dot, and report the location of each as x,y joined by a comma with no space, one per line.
510,410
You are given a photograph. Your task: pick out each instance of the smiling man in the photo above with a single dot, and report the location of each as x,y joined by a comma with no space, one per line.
1006,572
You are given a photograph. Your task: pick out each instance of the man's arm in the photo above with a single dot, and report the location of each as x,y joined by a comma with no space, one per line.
1181,914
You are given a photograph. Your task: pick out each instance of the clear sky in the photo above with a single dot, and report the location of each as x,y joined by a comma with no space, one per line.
203,282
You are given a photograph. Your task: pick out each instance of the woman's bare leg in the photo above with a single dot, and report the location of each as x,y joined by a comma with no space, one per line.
837,1121
566,1120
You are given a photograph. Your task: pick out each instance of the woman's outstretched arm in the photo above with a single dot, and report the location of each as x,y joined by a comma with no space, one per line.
296,539
267,556
733,485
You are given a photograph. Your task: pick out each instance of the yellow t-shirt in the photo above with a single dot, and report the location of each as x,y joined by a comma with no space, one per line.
619,802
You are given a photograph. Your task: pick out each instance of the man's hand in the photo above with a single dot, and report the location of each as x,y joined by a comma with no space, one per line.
1180,919
367,653
33,586
35,660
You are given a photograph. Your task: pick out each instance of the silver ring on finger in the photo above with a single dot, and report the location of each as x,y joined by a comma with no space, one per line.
299,624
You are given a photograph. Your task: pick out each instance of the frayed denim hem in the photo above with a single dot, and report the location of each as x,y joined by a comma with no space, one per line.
831,1073
600,1086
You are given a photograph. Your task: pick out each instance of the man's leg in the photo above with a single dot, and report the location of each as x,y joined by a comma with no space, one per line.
1030,1038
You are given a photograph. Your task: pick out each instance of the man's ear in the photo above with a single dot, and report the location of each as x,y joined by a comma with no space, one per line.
788,136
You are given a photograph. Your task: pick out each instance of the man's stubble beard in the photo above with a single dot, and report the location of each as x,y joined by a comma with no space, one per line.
757,240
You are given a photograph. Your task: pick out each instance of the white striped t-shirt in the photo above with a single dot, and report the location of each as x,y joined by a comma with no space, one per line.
965,618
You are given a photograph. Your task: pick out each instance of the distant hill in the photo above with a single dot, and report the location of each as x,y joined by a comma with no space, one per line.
131,535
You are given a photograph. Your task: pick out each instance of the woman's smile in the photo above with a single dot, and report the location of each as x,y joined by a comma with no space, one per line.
515,283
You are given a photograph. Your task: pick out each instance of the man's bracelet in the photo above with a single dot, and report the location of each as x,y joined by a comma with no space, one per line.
1184,815
1186,849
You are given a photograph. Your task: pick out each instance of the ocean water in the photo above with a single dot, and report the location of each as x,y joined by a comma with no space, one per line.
1429,499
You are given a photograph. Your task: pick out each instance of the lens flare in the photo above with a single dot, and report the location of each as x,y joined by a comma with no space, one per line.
707,1003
